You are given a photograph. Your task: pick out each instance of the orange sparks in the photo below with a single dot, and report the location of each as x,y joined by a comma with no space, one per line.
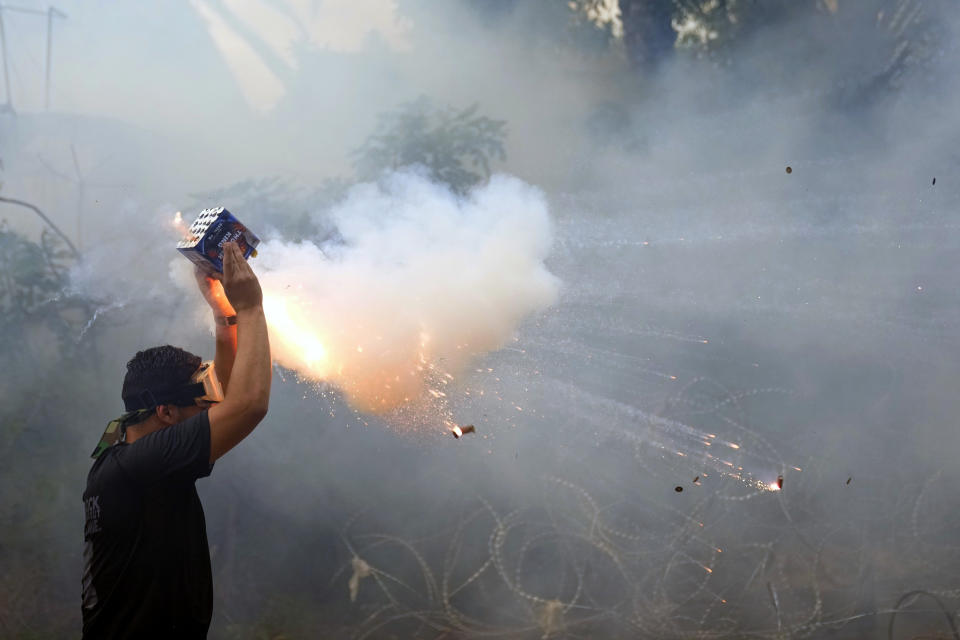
297,337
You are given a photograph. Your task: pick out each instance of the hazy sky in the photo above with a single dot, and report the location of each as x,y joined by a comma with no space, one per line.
104,51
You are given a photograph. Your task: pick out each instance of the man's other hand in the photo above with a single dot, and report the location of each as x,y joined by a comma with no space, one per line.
247,399
240,283
212,291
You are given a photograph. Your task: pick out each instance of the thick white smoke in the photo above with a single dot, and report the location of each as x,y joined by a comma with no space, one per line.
422,278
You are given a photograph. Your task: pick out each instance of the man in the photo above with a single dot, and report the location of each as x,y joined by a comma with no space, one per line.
147,566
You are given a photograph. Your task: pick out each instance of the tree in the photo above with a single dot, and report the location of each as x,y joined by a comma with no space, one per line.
583,25
866,47
648,33
51,392
454,146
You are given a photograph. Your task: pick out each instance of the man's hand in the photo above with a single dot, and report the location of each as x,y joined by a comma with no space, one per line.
239,281
212,291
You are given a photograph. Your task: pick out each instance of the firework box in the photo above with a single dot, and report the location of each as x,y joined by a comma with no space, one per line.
203,243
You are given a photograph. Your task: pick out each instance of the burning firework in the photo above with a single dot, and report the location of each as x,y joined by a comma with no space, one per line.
418,283
203,242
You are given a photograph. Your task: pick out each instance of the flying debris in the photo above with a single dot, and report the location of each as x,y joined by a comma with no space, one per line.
678,488
361,570
934,181
458,431
696,480
849,479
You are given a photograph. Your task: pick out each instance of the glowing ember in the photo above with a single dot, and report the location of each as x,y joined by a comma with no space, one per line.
458,431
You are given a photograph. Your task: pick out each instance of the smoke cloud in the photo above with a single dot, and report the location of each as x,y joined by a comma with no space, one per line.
418,282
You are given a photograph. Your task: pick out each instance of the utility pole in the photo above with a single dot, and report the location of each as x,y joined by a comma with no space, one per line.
8,105
50,13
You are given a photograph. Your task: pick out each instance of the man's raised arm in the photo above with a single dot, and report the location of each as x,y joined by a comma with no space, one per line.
247,396
226,333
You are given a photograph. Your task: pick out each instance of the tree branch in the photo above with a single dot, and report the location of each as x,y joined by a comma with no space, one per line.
73,249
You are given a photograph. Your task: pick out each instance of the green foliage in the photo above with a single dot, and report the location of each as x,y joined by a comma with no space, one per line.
716,27
589,26
455,147
713,25
50,394
585,26
854,51
32,273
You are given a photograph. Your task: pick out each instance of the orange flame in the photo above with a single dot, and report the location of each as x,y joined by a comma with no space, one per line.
293,335
304,339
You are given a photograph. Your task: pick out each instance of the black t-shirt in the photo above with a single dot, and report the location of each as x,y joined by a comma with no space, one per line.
146,561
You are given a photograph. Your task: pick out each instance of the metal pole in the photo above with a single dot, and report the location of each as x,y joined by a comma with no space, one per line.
52,12
49,52
6,71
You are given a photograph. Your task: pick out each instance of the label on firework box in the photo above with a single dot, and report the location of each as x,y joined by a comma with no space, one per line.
203,244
